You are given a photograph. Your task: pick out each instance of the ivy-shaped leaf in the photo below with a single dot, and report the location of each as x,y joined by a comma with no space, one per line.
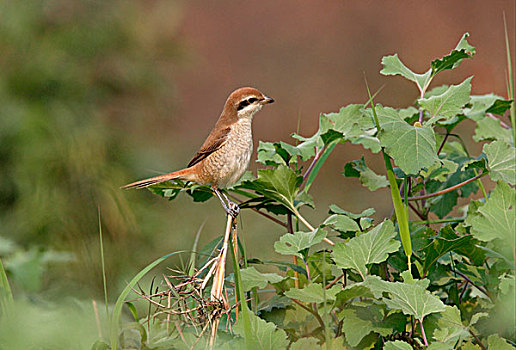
501,161
293,244
449,103
368,248
412,147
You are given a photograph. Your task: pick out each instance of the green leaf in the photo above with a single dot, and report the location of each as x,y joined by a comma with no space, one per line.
489,129
499,107
266,335
305,343
293,244
368,178
501,161
341,223
411,298
412,148
445,242
350,120
392,65
251,278
267,154
351,292
479,104
449,103
357,322
368,248
313,293
440,171
495,219
494,342
280,184
450,329
455,57
334,209
397,345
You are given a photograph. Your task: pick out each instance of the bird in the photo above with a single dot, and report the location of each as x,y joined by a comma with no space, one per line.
225,154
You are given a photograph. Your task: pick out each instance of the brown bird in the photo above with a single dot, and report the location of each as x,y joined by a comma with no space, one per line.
225,155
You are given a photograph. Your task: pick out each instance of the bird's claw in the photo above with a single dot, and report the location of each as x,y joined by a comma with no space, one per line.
233,209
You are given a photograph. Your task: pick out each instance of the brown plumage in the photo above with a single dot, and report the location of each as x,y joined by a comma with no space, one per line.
225,155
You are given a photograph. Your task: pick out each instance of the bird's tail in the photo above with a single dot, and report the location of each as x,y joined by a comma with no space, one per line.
180,174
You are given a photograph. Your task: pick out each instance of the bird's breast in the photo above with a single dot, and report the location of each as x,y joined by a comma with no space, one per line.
227,165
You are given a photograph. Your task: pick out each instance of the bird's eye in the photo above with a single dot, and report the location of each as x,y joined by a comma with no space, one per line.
252,100
243,104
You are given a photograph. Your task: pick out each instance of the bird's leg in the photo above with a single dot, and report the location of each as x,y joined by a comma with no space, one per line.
231,208
232,205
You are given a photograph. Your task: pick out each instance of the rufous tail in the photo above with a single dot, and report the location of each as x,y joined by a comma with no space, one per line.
180,174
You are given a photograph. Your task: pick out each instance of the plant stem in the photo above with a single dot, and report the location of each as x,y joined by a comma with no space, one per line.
478,340
416,211
482,289
449,189
481,185
270,217
440,221
423,332
311,166
316,315
445,138
294,257
310,227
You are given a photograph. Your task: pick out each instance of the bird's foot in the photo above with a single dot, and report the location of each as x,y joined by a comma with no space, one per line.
233,209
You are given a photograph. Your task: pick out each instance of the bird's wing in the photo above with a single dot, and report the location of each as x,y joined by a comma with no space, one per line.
214,141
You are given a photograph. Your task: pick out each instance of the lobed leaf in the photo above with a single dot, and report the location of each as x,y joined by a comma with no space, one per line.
495,219
411,298
449,103
368,177
293,244
252,278
455,57
368,248
266,335
313,293
501,161
392,65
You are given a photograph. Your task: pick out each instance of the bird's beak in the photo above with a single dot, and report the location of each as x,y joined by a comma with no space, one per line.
267,100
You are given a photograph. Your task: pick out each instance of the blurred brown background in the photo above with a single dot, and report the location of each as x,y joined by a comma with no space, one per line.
96,95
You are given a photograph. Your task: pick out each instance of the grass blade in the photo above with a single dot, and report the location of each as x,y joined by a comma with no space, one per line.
510,88
318,165
117,310
6,295
104,282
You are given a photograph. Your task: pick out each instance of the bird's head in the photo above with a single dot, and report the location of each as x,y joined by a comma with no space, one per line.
247,101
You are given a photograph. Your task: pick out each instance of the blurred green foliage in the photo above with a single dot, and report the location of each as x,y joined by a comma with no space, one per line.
74,73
